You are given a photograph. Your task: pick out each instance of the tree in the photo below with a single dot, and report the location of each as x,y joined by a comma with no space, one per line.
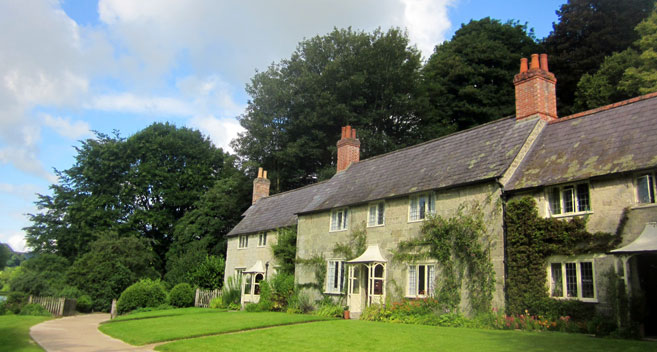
641,75
139,186
298,106
587,31
42,275
209,274
5,254
112,264
467,81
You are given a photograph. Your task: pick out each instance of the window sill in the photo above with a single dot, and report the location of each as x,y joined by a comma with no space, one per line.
261,246
417,297
570,215
381,225
420,220
242,247
643,205
584,300
337,230
334,293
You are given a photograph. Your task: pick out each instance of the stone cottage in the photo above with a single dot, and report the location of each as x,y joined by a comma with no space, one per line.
599,164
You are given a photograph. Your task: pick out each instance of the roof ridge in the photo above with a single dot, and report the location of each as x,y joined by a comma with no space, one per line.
606,107
436,139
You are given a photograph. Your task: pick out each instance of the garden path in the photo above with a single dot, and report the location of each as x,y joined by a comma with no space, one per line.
78,333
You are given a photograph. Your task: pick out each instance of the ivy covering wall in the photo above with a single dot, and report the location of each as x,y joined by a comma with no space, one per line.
530,241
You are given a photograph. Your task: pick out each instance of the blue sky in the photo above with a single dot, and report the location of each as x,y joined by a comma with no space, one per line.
69,67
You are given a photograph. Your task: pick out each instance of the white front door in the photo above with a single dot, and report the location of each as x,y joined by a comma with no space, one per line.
357,294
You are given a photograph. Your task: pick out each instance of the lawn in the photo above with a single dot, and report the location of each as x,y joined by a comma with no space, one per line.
164,313
15,332
341,335
167,328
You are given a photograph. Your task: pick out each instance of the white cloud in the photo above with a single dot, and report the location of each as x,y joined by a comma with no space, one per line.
26,191
64,127
427,22
25,159
17,242
128,102
220,131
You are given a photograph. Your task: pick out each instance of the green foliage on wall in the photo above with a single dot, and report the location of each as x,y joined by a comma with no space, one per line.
530,241
462,249
285,249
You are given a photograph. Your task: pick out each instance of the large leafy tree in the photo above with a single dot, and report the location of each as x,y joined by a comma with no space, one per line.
587,31
297,106
140,186
468,80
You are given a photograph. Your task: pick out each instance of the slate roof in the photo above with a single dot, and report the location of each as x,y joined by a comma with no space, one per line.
617,138
276,211
469,156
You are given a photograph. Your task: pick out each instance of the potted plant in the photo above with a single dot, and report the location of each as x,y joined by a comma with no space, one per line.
346,312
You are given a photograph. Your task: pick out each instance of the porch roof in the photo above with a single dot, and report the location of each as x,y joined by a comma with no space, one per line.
646,242
371,255
256,268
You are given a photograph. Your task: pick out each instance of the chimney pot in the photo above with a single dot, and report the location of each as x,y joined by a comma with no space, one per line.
344,130
544,62
348,132
259,172
264,174
523,65
353,133
534,63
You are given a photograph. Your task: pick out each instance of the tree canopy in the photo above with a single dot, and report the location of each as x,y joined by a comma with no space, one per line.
298,106
469,79
587,31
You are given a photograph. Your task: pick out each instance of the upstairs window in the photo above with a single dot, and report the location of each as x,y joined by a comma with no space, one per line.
569,199
645,188
243,241
334,276
339,219
421,205
572,279
376,214
262,239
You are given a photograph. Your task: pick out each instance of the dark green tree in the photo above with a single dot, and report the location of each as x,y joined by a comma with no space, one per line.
139,186
112,264
468,79
297,106
642,75
5,254
42,275
587,31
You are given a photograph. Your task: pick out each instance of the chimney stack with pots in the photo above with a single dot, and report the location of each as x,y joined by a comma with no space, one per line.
536,94
260,186
348,148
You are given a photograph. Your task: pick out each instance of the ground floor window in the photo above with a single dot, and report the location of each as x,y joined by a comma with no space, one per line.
334,276
252,284
572,279
421,279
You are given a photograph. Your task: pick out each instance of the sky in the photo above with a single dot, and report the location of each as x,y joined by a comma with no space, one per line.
68,68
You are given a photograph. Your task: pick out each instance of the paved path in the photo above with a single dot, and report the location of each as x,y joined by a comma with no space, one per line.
78,334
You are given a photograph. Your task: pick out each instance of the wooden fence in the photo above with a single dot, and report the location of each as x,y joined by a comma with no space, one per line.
56,306
203,297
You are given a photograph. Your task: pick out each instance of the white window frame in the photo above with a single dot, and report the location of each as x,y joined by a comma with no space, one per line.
651,185
578,277
339,220
239,272
333,287
243,242
562,209
421,214
376,214
262,239
413,280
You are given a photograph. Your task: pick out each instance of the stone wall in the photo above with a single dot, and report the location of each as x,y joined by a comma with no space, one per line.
315,239
244,258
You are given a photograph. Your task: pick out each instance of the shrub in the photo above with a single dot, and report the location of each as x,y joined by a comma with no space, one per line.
15,301
3,307
234,306
181,295
330,310
34,309
232,292
252,307
301,303
217,302
145,293
84,304
209,274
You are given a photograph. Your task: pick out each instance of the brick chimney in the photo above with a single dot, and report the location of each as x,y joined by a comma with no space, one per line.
348,148
260,186
536,93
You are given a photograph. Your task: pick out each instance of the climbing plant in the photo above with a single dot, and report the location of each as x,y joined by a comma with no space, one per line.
530,241
285,249
461,247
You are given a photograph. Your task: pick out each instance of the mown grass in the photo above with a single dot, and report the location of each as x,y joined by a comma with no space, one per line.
167,328
15,332
164,313
341,335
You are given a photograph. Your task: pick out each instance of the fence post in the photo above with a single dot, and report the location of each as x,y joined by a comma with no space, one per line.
196,297
29,301
113,310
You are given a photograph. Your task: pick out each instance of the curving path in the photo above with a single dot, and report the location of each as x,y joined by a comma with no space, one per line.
77,334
